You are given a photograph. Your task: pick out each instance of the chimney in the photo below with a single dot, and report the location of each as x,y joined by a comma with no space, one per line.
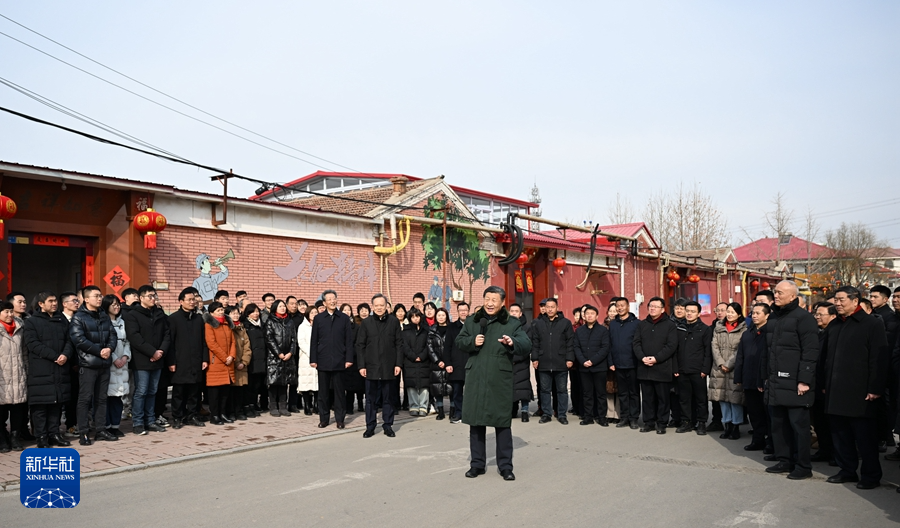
399,183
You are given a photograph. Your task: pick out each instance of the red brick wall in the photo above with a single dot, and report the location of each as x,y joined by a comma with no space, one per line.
257,257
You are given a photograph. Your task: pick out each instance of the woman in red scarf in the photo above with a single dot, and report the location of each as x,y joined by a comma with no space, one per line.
726,337
222,353
13,380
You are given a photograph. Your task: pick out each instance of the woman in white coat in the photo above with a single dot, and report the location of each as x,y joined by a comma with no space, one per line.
307,377
118,371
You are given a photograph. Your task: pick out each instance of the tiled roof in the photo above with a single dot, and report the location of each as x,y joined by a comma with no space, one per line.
768,250
340,204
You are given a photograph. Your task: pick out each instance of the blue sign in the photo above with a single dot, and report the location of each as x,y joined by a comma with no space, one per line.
50,478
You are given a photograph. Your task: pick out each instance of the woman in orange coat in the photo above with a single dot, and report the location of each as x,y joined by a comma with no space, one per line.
220,375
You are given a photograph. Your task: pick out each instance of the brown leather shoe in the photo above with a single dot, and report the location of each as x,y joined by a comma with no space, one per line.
340,425
323,425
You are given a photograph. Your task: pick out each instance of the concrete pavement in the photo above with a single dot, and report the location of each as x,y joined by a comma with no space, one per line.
566,475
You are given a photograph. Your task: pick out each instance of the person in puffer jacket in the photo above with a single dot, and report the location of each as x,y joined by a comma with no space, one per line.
118,371
622,362
95,340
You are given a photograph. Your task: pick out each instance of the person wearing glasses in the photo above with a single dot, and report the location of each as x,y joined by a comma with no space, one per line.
147,329
70,303
94,339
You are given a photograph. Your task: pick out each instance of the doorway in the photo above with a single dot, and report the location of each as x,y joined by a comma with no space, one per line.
56,264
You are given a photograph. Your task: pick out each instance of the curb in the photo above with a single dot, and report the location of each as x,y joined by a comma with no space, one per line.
14,485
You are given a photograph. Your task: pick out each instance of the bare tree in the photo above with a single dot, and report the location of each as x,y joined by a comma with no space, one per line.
779,221
621,211
686,218
810,233
854,245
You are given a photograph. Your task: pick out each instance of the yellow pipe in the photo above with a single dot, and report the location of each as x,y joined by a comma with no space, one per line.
397,247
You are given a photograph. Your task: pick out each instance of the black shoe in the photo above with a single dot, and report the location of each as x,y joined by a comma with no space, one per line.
84,440
735,432
701,428
800,474
215,420
715,426
634,424
340,425
673,423
194,422
781,467
538,412
285,412
603,422
563,420
229,419
507,474
152,426
474,472
754,447
177,423
42,443
105,436
622,423
586,421
293,409
240,416
893,457
770,458
727,428
660,429
525,416
685,427
545,418
58,439
841,478
139,430
275,412
388,432
646,428
14,441
769,450
369,433
440,414
867,485
322,425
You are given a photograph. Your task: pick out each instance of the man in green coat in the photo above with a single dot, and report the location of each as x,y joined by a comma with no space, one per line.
491,338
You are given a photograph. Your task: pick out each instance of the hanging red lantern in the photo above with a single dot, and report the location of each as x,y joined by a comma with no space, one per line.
676,277
754,283
672,283
149,223
7,210
671,275
522,259
559,263
694,278
765,285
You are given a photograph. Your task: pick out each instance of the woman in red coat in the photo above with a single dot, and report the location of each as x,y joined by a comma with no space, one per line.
220,375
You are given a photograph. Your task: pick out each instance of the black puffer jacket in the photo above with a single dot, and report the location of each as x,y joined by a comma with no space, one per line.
751,349
694,348
91,332
416,374
281,338
522,389
621,341
379,347
552,343
793,351
188,349
455,357
257,336
147,331
436,350
854,365
657,339
591,344
46,338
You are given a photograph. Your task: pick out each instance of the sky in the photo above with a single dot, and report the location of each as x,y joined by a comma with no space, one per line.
583,99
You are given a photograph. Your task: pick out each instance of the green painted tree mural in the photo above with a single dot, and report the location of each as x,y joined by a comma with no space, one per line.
465,259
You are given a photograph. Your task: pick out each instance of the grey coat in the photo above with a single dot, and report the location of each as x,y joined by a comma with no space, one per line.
724,351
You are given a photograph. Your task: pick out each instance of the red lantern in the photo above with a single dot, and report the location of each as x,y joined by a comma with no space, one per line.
149,223
559,263
522,259
765,285
672,283
754,283
676,277
694,278
7,210
671,275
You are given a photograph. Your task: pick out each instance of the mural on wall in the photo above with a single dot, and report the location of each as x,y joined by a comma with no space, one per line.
345,269
466,261
207,284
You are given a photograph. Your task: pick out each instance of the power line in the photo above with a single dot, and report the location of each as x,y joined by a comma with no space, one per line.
834,212
145,85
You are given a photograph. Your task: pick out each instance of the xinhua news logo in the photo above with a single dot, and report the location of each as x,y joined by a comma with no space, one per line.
50,478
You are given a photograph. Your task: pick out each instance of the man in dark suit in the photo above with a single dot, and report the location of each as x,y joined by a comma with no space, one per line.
379,354
655,345
855,380
331,353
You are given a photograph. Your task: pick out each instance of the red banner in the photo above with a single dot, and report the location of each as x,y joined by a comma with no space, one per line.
50,240
519,287
529,281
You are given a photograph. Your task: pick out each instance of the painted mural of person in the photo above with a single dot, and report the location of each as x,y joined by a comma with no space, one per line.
435,295
207,284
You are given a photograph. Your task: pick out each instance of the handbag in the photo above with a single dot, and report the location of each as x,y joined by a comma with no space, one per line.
611,385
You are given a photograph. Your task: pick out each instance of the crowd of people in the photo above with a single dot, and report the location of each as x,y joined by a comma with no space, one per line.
74,365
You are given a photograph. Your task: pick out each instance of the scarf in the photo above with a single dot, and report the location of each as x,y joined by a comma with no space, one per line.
843,317
281,316
429,321
251,321
220,319
730,326
10,328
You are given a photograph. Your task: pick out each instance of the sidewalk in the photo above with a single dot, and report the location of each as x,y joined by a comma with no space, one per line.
137,452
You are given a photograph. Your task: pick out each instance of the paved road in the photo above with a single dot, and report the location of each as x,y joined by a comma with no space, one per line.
578,476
